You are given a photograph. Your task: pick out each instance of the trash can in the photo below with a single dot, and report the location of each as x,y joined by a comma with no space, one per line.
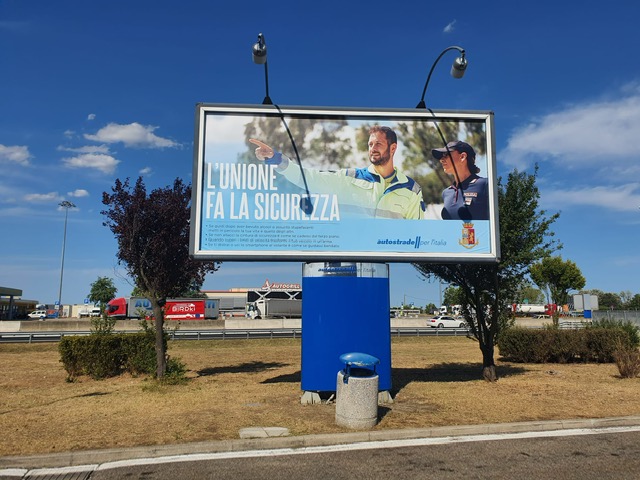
357,391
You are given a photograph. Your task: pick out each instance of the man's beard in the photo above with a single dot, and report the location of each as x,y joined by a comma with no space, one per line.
382,160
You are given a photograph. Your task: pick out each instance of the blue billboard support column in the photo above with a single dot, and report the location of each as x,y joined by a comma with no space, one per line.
345,308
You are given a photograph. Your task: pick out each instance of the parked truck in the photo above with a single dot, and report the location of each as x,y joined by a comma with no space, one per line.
175,308
533,309
275,308
191,309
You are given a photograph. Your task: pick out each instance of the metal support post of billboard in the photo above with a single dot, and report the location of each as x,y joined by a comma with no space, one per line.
345,310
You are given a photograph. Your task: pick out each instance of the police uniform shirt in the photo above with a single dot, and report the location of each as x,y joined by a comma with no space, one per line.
469,200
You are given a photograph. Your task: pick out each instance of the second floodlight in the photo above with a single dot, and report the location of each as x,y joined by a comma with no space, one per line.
457,70
459,66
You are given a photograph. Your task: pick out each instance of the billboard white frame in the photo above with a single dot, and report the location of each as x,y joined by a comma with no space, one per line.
242,211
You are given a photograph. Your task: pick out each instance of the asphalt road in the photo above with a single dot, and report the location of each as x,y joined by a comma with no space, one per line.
571,454
610,456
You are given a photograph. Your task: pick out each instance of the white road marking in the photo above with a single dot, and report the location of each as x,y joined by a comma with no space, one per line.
413,442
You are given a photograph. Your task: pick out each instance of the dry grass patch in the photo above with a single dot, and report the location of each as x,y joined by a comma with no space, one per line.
236,384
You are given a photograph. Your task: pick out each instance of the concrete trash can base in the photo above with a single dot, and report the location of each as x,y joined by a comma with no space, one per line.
357,393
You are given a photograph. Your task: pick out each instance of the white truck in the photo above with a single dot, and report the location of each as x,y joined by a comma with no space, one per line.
275,308
531,308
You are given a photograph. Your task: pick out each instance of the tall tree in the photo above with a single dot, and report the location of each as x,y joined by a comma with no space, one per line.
609,300
633,303
102,291
559,276
152,232
487,289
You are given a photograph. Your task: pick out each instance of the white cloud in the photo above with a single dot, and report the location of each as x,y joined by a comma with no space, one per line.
450,27
622,198
80,192
43,197
104,163
132,135
91,116
16,154
590,147
145,171
580,135
85,149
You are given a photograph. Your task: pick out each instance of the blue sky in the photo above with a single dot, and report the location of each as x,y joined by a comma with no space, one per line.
94,91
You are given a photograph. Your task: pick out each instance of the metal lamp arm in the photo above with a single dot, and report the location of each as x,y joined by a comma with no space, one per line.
421,104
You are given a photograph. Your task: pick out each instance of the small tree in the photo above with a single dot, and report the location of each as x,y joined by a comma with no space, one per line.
487,289
153,242
559,276
102,291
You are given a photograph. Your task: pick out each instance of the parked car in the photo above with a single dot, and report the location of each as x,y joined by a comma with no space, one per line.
38,314
445,321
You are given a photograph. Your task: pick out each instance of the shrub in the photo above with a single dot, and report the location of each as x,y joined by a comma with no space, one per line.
107,355
593,344
103,324
99,356
176,372
627,360
524,345
602,342
629,328
71,356
139,353
564,346
102,354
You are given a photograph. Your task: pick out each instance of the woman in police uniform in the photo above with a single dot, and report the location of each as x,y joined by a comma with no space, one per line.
468,197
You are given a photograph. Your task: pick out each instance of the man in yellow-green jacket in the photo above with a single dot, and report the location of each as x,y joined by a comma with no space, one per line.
379,191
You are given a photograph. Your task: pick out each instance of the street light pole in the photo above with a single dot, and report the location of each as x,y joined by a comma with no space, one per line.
66,205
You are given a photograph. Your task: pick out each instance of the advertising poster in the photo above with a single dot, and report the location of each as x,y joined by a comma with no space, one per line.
324,184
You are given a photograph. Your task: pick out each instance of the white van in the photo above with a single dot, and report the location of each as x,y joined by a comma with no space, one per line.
38,314
90,312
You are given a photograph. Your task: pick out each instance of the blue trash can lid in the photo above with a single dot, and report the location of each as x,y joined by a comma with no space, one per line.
357,359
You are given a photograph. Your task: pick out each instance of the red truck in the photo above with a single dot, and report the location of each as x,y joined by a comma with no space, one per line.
174,309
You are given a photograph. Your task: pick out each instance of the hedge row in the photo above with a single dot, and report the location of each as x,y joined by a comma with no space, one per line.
102,356
553,345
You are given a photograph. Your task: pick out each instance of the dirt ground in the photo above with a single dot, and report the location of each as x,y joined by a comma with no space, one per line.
236,384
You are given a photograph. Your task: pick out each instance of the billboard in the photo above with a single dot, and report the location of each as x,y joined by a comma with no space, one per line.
334,184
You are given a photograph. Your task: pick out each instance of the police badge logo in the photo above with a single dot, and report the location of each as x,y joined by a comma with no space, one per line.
468,239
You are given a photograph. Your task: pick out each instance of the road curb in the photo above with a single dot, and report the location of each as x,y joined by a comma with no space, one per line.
93,457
